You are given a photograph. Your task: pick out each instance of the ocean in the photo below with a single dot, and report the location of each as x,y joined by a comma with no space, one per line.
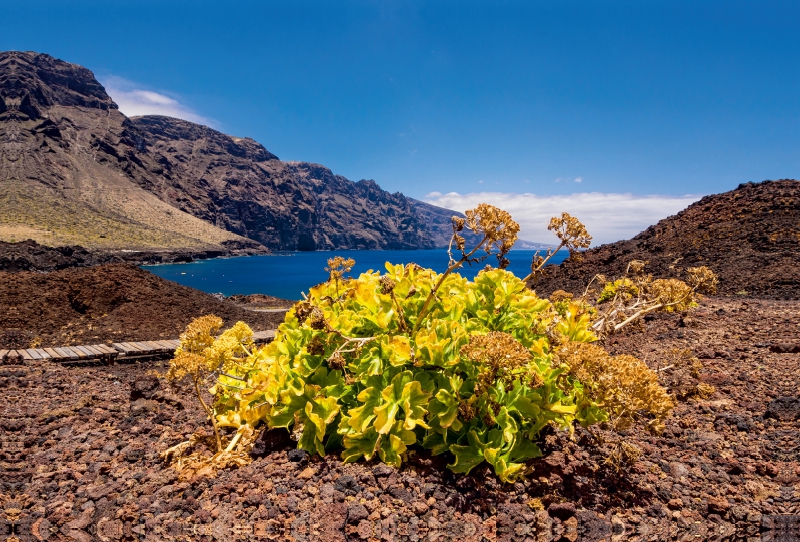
287,274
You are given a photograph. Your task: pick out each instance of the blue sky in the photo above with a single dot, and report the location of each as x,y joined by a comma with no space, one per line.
457,101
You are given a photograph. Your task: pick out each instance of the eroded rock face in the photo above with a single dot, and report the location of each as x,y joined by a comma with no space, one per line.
77,171
749,236
238,185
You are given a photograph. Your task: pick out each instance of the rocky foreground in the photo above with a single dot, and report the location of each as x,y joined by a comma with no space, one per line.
80,458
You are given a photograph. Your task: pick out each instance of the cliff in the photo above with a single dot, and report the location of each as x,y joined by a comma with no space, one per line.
76,171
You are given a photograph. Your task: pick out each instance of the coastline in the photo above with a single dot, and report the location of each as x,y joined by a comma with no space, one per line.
28,255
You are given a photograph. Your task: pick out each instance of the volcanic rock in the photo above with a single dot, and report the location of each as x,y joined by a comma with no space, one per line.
750,237
75,170
107,303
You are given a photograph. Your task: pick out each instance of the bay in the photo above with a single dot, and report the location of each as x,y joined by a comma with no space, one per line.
288,274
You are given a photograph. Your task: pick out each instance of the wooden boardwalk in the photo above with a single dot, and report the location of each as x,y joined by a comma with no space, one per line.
106,354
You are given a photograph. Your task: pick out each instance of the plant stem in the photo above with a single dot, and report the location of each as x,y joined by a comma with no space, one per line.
544,262
400,314
450,269
210,414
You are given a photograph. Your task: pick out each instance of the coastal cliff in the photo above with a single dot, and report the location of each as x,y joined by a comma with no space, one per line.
76,171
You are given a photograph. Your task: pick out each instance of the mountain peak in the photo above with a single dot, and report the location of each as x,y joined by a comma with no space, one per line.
30,82
94,177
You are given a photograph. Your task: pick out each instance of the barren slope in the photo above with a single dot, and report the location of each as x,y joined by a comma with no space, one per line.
74,170
106,303
60,182
749,236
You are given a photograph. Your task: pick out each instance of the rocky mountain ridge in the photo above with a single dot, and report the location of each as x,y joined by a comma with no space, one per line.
749,236
75,170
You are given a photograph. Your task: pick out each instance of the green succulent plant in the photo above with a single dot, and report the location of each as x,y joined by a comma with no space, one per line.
477,379
372,365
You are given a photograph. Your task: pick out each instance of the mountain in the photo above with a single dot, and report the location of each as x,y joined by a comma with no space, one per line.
76,171
749,236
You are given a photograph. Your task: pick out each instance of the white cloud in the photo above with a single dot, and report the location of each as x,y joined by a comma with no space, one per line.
134,101
608,217
578,179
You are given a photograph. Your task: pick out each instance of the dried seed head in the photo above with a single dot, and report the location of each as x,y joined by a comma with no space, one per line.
496,348
495,224
623,384
703,280
411,292
458,223
337,361
338,266
570,231
466,411
672,292
536,380
499,356
316,347
316,320
302,310
636,267
560,295
387,284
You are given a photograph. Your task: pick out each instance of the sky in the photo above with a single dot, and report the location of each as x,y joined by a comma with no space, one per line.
620,112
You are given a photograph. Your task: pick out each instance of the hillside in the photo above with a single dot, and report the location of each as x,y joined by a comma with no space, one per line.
106,303
59,185
76,171
749,236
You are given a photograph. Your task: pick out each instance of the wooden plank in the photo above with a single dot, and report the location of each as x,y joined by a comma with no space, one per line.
143,350
81,354
25,355
61,353
66,353
105,349
132,347
149,348
53,353
123,349
119,347
33,353
97,353
107,353
129,348
167,345
42,353
152,345
75,351
82,349
145,347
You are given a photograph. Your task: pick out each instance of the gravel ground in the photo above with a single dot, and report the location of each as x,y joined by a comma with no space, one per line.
80,458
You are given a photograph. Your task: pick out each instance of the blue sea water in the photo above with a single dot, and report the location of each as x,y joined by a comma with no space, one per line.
288,274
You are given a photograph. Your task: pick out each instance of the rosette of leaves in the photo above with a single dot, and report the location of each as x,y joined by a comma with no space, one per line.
375,364
353,367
